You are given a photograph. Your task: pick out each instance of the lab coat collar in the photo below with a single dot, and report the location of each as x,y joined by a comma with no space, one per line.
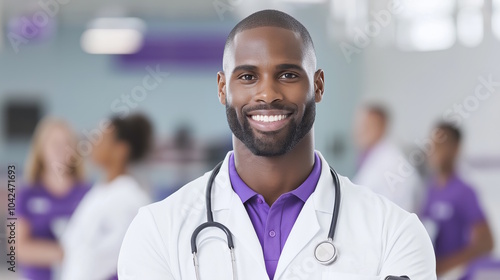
229,210
324,195
306,227
223,192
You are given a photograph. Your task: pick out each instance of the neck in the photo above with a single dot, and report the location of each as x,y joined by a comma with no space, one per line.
372,145
57,185
114,171
444,176
274,176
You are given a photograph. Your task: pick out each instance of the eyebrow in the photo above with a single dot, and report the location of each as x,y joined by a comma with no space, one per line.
287,66
252,68
245,67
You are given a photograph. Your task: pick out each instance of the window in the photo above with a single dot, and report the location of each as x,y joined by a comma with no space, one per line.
495,19
421,25
426,25
351,15
470,22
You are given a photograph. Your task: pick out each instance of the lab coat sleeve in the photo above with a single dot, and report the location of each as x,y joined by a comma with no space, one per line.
410,252
143,254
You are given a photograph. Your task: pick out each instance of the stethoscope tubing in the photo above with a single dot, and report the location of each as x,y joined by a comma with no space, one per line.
211,223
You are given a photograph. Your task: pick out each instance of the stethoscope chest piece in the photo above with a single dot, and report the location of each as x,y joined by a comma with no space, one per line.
325,252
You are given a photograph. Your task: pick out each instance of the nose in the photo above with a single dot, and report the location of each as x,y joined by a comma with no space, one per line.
268,91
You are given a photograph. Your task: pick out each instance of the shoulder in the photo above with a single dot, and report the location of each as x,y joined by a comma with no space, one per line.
160,221
129,191
29,191
461,191
465,187
364,197
405,246
379,213
81,188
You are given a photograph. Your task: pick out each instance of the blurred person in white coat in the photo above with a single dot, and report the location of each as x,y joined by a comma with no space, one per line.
96,230
382,165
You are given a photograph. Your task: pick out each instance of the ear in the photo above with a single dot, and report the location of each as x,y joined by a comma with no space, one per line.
221,87
319,85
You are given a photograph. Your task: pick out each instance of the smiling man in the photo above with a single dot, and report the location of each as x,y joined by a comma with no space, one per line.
273,197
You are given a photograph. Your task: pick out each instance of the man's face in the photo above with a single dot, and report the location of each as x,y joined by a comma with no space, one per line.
270,89
109,149
444,153
369,128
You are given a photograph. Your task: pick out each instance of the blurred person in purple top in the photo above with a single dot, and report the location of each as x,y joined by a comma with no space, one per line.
54,188
452,211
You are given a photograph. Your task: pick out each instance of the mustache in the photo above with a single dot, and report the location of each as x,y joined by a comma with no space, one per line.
272,106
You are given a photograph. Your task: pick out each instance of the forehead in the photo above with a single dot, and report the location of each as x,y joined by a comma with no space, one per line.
56,131
268,45
368,115
444,138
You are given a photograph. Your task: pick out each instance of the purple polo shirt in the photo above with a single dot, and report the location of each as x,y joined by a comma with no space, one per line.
273,224
47,214
454,209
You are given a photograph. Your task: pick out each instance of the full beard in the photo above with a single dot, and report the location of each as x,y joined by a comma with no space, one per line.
275,143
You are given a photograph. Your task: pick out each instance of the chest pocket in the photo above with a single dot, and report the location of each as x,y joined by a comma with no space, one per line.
329,275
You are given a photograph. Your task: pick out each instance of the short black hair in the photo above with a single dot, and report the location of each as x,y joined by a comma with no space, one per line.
271,18
451,130
136,131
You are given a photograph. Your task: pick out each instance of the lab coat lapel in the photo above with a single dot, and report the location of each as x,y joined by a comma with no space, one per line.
307,225
305,228
229,209
244,232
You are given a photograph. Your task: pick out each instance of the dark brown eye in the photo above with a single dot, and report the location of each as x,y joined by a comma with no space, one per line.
288,76
247,77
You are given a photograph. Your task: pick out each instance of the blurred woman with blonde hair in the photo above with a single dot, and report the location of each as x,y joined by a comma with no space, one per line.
54,187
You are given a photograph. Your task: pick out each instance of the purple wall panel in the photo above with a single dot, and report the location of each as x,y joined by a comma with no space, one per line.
185,51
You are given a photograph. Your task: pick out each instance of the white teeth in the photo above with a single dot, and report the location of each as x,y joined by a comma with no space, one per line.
267,118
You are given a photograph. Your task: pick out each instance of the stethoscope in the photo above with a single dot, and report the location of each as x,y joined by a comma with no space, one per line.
325,252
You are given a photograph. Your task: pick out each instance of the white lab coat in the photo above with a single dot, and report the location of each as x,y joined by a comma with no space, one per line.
93,238
387,172
374,237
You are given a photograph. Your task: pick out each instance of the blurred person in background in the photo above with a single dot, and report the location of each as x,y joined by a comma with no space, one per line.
54,188
452,212
381,161
95,232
